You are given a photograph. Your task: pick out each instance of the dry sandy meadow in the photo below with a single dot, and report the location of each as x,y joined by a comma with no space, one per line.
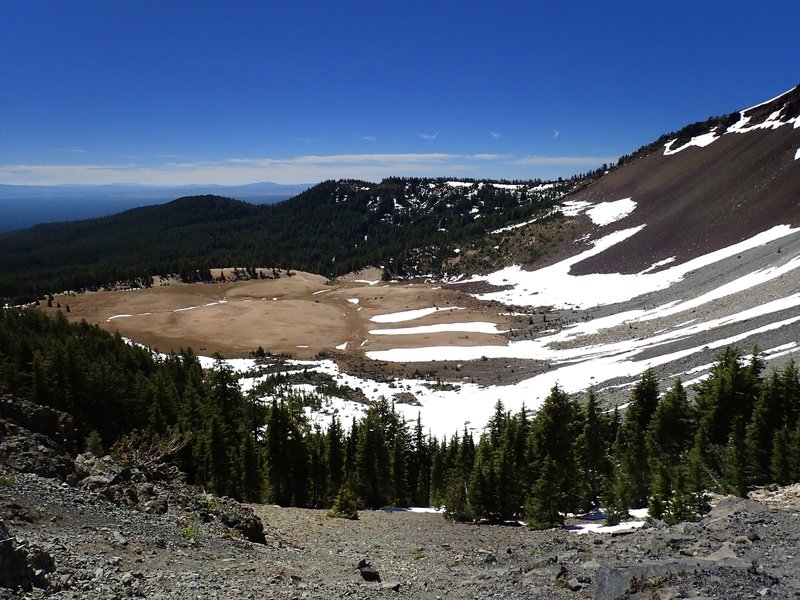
300,315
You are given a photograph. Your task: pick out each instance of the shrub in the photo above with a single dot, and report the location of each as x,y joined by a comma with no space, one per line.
344,506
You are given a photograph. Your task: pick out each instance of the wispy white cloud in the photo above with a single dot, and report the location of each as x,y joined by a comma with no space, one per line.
303,169
368,138
556,133
492,156
169,156
428,136
73,150
337,159
576,161
495,135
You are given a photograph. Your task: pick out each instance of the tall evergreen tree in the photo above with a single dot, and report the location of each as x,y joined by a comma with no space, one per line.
780,461
669,438
735,462
727,394
630,447
552,440
767,418
373,461
335,455
593,450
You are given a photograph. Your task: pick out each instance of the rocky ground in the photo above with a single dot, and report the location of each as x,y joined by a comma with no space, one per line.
98,529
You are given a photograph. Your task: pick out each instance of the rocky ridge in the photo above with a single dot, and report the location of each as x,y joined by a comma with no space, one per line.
103,530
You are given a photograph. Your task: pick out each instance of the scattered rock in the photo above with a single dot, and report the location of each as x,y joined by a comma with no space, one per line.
574,585
116,533
367,572
391,585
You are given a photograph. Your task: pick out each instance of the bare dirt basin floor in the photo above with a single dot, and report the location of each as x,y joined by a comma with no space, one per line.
300,315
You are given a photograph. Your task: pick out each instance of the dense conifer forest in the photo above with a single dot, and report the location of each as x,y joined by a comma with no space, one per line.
410,226
663,451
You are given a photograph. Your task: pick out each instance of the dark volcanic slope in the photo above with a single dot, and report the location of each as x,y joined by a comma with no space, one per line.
704,198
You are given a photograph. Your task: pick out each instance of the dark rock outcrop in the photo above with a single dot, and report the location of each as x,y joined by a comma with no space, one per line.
27,452
22,565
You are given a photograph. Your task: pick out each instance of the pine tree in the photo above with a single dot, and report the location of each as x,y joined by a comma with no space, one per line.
399,469
698,474
319,475
779,463
373,464
252,476
299,463
793,452
727,394
544,505
790,386
438,474
616,498
94,443
335,457
767,418
506,473
630,447
735,465
682,502
669,437
344,506
278,456
593,450
660,490
553,451
482,499
218,460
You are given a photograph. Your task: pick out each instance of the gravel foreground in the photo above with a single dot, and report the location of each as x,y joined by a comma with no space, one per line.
83,546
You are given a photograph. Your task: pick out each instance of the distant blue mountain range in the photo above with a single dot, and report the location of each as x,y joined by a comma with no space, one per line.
23,206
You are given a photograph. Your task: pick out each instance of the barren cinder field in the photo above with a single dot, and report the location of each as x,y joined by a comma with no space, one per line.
300,315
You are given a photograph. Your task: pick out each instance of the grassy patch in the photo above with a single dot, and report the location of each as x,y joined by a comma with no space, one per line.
418,554
190,533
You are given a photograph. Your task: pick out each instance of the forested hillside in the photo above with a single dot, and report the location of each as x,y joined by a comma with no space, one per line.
664,452
411,226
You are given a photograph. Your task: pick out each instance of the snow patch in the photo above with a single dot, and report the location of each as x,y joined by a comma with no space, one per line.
512,227
556,286
353,300
598,515
658,264
410,315
700,140
572,208
457,184
473,327
342,346
606,213
741,126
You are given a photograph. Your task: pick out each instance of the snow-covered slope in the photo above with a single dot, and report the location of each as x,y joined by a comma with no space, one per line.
691,246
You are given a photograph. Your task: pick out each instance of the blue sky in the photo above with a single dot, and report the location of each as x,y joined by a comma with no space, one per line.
171,92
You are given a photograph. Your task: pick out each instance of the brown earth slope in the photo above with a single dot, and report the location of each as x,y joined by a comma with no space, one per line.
702,198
